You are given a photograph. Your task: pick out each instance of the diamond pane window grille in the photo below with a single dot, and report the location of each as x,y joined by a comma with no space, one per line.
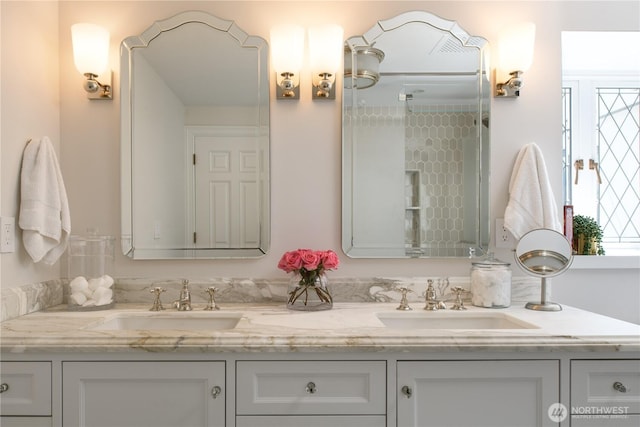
618,127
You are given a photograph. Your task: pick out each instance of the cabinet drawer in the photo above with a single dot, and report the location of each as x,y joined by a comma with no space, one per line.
605,384
312,421
26,421
311,388
28,388
605,420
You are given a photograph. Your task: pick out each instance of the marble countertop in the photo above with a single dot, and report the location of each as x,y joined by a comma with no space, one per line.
347,327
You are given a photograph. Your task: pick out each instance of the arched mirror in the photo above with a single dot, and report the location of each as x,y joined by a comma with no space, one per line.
195,140
544,253
415,140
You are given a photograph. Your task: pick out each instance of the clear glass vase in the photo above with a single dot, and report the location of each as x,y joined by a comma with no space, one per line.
309,293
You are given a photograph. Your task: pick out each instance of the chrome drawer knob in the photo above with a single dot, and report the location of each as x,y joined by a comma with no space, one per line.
406,390
311,388
4,387
618,386
216,391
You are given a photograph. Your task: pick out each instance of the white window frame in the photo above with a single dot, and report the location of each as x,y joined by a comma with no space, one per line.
584,143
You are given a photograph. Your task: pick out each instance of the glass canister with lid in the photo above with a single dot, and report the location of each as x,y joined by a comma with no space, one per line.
491,283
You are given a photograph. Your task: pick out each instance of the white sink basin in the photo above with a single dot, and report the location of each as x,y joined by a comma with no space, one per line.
162,321
452,320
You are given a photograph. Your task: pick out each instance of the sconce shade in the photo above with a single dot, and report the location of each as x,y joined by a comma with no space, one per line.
90,48
368,62
325,48
515,46
287,48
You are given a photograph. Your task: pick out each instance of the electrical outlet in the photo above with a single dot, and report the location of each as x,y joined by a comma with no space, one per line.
7,234
504,239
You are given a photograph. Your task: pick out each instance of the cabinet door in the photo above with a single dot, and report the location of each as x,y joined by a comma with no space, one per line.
118,394
477,393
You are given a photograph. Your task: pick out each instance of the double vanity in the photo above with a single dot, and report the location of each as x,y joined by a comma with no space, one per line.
363,363
358,364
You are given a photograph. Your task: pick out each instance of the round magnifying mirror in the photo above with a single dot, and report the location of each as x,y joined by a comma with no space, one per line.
544,253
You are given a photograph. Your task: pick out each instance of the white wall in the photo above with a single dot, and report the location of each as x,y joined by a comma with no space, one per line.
29,108
305,135
162,173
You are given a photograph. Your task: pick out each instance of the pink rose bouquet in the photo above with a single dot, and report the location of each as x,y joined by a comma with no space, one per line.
310,265
308,262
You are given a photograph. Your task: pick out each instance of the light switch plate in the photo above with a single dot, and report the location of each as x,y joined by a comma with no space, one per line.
7,234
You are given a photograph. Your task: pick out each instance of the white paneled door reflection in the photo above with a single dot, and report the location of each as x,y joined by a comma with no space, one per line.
226,192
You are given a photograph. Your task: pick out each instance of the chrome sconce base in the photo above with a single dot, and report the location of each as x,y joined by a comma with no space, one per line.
287,86
97,90
510,88
325,87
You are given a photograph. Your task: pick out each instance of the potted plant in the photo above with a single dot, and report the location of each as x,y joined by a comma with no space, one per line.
587,236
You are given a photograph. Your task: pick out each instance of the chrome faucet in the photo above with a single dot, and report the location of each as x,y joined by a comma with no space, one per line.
432,302
183,303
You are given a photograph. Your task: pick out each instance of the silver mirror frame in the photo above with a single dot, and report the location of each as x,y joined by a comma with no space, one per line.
127,208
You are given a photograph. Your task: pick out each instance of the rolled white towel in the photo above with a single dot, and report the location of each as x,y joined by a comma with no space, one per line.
97,294
106,297
107,281
89,303
77,298
95,283
79,284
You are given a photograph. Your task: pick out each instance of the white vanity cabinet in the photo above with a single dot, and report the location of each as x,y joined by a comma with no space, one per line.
144,393
605,392
25,394
311,393
493,393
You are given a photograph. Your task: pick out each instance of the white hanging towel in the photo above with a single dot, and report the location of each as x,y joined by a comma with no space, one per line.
531,201
44,207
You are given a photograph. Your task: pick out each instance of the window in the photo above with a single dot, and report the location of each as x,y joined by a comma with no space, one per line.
601,133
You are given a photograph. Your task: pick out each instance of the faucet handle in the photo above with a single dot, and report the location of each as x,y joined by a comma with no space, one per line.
459,303
212,305
404,304
157,304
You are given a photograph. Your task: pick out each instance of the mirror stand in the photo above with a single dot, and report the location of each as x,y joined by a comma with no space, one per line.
543,305
544,253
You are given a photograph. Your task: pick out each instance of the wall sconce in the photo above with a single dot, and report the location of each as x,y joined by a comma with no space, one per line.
91,56
515,48
287,53
325,52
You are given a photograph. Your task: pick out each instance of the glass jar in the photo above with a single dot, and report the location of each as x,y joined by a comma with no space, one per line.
91,286
491,283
